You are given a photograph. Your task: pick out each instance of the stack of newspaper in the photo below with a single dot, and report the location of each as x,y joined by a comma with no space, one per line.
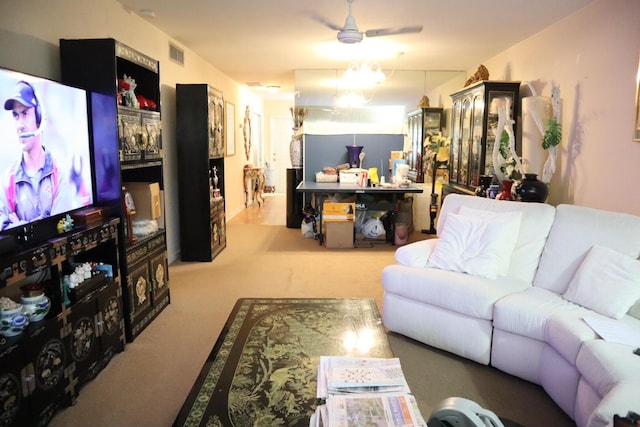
358,391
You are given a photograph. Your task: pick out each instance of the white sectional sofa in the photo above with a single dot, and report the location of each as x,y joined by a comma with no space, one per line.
526,318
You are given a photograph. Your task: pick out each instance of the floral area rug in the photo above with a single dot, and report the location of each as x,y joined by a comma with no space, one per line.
263,368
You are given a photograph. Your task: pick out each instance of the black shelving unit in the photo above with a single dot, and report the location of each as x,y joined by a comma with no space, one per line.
127,148
199,114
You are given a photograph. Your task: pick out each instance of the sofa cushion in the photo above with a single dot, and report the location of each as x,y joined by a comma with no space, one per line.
604,364
534,228
622,398
566,331
607,282
462,293
575,230
511,222
479,245
415,254
526,313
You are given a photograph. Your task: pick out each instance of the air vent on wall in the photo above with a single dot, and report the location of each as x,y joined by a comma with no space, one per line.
176,54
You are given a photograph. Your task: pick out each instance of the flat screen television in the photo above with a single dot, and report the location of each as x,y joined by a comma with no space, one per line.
46,164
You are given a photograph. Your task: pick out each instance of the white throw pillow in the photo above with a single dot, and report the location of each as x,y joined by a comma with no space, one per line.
477,245
514,218
607,282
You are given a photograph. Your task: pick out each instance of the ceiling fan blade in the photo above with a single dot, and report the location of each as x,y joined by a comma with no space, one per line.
324,21
393,31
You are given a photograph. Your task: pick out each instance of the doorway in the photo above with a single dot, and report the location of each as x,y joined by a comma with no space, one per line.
280,132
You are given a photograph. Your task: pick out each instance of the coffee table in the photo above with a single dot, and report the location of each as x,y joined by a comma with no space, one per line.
263,367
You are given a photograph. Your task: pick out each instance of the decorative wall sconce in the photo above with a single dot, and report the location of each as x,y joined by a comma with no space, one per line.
246,132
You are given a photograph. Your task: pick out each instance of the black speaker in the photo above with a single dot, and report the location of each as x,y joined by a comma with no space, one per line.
295,200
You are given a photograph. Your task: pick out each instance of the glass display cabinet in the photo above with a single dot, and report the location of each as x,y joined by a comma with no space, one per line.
421,124
474,119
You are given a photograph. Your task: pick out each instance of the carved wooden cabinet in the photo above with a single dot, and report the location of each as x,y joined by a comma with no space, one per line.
422,124
127,132
474,119
200,133
44,367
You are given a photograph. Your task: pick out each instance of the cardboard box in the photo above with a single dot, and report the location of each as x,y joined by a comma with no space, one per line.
338,235
146,197
338,211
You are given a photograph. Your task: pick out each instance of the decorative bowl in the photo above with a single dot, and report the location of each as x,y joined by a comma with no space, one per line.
32,290
13,321
37,307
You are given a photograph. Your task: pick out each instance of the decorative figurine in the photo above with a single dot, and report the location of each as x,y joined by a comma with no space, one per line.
129,209
216,190
65,224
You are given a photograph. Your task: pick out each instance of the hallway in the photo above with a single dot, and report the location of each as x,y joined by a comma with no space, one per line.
272,211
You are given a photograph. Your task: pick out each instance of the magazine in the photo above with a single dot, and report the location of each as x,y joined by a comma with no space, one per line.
360,375
357,391
380,410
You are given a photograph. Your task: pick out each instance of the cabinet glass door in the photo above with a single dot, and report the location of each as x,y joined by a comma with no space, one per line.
455,141
432,120
465,139
416,135
476,138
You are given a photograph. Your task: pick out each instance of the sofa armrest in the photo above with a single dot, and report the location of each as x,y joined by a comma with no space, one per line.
415,254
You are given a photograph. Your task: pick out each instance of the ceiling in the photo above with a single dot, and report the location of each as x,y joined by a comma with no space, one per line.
258,41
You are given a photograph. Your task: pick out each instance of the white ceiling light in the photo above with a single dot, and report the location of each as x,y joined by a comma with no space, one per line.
363,76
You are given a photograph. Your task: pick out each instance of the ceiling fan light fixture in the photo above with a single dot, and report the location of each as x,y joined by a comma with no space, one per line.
350,36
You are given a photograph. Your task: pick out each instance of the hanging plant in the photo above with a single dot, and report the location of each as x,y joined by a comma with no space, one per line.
552,134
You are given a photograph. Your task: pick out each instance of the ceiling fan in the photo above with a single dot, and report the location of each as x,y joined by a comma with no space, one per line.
349,33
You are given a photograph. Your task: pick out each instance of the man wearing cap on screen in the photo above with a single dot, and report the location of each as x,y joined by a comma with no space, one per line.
31,189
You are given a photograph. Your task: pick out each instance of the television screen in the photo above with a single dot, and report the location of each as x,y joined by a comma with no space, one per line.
45,155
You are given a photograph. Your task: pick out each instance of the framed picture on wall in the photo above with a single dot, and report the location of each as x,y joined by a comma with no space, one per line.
230,111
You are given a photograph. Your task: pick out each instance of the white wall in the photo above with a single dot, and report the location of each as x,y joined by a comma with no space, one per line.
29,42
593,56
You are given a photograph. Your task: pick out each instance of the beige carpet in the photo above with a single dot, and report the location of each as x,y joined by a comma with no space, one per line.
147,384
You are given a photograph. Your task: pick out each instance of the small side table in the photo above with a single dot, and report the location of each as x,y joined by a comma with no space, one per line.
254,181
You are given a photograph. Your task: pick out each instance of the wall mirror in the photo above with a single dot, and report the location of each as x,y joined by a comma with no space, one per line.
318,91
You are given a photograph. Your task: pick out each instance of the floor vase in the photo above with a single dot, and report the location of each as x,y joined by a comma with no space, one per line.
295,153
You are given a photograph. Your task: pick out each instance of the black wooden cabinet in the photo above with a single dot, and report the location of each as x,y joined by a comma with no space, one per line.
127,149
200,172
421,125
43,368
474,119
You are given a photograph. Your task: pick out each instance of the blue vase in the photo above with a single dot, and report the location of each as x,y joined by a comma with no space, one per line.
354,155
